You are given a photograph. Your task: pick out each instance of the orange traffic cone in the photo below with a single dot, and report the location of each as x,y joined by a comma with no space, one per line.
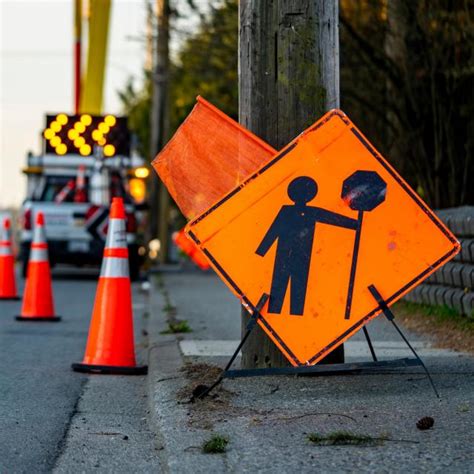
110,345
80,194
65,192
38,302
7,264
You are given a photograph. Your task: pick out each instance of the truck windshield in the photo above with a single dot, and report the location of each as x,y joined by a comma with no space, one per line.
62,188
54,185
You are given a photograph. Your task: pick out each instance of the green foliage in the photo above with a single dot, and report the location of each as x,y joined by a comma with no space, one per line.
463,408
177,327
344,438
407,70
207,65
439,314
417,58
136,105
443,312
215,445
169,308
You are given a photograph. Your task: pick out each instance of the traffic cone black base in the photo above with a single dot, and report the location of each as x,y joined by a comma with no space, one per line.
52,319
10,298
109,369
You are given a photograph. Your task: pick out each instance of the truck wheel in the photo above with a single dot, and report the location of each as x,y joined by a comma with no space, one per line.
134,263
24,256
24,267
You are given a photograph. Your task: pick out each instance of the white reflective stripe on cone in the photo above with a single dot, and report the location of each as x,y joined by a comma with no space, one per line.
5,251
5,235
114,267
39,236
116,235
38,255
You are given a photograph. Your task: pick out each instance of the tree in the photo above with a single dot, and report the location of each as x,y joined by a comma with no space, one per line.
418,58
407,70
207,65
136,105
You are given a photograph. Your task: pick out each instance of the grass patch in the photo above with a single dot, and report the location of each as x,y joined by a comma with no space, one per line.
169,308
160,282
448,328
441,312
215,445
344,438
177,327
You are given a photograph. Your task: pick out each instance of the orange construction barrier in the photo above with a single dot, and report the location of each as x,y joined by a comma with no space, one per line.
110,345
186,245
7,264
38,302
208,156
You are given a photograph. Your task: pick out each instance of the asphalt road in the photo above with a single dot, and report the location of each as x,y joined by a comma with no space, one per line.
39,393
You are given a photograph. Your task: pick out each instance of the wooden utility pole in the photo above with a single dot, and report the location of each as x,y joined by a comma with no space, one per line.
149,34
159,212
288,78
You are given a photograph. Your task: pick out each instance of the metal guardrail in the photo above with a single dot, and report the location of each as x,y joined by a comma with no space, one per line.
452,285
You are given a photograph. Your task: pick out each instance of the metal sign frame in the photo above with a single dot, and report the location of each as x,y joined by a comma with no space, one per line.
323,369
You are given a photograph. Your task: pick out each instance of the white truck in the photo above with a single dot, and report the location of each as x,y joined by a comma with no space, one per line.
73,192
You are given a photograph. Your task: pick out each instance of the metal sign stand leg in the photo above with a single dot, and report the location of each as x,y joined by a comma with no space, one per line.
250,325
369,342
321,369
390,316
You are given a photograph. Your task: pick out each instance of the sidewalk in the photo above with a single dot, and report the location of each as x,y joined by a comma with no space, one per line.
267,420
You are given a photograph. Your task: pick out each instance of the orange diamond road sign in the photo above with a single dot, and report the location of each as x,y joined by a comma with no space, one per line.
323,220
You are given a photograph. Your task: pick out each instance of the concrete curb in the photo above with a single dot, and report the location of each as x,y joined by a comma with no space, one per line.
180,444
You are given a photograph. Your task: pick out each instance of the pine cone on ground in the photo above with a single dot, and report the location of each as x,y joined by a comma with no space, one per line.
425,423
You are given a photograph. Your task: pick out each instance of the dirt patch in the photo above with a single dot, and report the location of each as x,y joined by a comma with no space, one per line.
214,408
447,330
200,374
204,413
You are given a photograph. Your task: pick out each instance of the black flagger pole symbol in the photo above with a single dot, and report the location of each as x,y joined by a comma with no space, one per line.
294,229
362,191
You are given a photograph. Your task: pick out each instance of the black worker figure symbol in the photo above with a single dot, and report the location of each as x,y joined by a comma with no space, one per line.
294,228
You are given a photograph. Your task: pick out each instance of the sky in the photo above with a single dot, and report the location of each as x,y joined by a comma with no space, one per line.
36,66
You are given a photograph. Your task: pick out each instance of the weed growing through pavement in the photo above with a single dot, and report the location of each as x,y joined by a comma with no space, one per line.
159,281
176,327
216,444
169,308
344,438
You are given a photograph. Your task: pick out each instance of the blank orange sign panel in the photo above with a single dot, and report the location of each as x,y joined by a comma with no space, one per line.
322,221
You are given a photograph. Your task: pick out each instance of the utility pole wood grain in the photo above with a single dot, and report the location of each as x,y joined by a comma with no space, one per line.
288,78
